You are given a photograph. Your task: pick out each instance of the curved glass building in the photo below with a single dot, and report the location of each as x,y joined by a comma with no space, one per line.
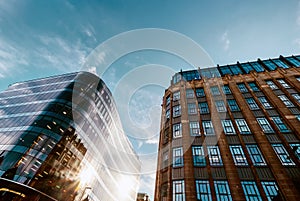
61,139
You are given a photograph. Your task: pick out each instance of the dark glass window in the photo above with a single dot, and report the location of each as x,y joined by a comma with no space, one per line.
214,156
203,190
255,155
226,89
251,191
296,149
208,128
233,105
263,100
228,127
270,65
238,155
242,87
176,111
270,188
264,124
178,190
200,92
235,69
280,125
177,157
294,61
247,67
280,63
203,108
282,154
225,70
271,84
222,191
252,104
257,67
198,156
242,126
177,130
253,86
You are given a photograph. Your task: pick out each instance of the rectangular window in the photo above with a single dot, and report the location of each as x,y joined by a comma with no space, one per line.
222,191
177,157
242,126
284,84
271,84
257,66
264,124
168,114
282,154
215,90
176,96
214,156
263,100
251,191
252,104
280,125
178,190
194,128
296,97
203,190
255,155
270,188
220,105
242,87
286,101
270,65
296,149
165,158
200,92
203,108
208,128
226,89
238,155
247,67
235,69
233,105
176,111
228,127
192,108
280,63
225,70
168,99
198,156
189,93
253,86
177,130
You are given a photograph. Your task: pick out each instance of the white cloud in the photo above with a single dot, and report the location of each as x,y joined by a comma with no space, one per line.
153,140
225,40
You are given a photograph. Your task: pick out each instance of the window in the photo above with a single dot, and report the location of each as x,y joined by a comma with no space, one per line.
242,87
294,61
191,75
168,100
226,89
264,124
280,125
176,96
177,157
203,190
194,128
298,117
252,104
238,155
208,128
189,93
176,78
215,90
214,156
242,126
284,84
255,155
263,100
296,149
235,69
168,114
200,92
176,110
165,158
225,70
257,67
286,101
222,191
198,156
247,67
270,65
228,127
270,188
296,97
177,130
203,108
192,108
280,63
220,105
271,84
251,191
253,86
282,154
233,105
178,190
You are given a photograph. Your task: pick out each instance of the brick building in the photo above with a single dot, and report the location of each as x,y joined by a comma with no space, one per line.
231,133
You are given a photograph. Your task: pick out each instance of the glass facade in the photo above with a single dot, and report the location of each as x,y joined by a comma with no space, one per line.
62,140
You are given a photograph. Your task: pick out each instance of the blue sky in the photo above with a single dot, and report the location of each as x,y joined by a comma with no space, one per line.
43,38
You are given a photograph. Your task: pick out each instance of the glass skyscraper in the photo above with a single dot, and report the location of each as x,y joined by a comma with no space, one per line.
61,139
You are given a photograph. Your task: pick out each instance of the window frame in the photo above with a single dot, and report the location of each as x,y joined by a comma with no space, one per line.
198,156
256,155
177,157
282,154
177,130
214,155
195,128
208,126
222,190
228,127
203,190
242,126
178,190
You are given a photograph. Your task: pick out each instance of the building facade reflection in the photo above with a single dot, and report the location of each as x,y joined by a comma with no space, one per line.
61,139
